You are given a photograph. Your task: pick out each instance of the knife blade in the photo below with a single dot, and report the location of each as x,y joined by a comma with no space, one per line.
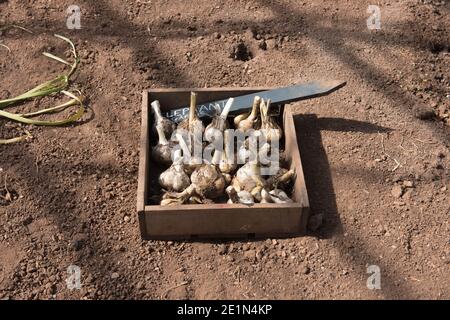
278,96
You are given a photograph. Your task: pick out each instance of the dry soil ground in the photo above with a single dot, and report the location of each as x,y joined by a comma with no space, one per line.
376,153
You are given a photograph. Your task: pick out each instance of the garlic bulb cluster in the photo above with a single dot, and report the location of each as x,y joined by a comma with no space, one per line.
235,174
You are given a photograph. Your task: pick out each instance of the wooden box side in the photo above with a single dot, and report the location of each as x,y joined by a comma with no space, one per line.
143,155
223,220
294,158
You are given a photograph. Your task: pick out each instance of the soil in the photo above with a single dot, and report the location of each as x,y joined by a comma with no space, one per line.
375,153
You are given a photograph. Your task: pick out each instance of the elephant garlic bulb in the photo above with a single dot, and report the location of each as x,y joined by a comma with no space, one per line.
192,123
167,125
242,196
175,178
269,128
208,180
219,122
248,121
162,152
248,177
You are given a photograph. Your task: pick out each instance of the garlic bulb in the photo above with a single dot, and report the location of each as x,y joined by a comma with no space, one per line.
248,177
208,180
190,134
175,178
192,123
162,152
219,122
243,197
248,121
207,183
167,125
269,128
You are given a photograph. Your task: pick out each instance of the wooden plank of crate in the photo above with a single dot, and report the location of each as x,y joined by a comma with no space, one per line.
143,155
210,221
293,156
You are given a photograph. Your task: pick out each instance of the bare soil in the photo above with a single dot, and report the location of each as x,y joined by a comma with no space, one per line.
375,153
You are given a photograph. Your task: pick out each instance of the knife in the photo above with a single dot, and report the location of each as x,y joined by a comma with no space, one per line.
278,97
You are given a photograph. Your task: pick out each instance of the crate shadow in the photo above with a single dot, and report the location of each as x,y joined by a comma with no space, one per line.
316,166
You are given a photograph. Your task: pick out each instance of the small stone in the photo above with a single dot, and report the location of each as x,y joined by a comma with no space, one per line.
305,269
230,258
126,218
397,191
115,275
408,184
250,255
271,44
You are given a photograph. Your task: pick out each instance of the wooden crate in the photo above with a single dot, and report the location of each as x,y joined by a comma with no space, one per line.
216,220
